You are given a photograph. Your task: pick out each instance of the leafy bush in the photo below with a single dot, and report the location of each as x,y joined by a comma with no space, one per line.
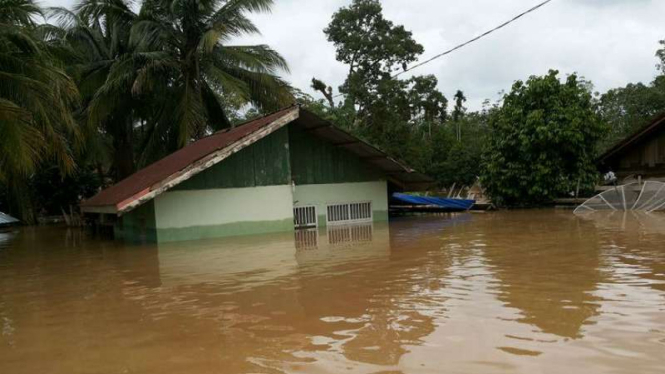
542,141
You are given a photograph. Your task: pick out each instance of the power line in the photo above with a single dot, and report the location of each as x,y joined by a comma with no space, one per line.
459,46
474,39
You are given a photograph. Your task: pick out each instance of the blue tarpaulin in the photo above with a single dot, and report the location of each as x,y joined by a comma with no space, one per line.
441,202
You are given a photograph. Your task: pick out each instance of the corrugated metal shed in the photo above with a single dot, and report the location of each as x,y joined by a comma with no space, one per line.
6,220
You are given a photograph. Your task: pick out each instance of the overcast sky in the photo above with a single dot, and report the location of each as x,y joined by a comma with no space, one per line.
610,42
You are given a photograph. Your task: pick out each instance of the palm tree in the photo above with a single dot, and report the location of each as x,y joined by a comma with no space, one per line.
97,32
163,77
36,99
182,48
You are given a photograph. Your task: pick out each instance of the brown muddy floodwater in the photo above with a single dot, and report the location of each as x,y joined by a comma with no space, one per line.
508,292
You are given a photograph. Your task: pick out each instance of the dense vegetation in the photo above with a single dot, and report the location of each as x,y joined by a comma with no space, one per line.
536,143
553,149
108,86
106,89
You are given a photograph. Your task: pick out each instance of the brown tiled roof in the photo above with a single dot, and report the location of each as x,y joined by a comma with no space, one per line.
142,181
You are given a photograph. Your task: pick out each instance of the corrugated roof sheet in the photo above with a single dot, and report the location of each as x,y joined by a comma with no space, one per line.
6,219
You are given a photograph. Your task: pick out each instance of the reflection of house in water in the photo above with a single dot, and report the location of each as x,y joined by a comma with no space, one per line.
358,300
325,294
335,234
256,304
349,234
341,244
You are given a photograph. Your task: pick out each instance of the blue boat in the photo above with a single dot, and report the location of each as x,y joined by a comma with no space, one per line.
440,203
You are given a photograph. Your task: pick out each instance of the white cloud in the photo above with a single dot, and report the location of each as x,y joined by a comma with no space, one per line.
610,42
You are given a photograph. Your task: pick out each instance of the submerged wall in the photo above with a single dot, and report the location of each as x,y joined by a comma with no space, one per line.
254,191
139,225
198,214
325,174
248,193
322,195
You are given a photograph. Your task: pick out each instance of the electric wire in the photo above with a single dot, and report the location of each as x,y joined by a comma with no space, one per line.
462,45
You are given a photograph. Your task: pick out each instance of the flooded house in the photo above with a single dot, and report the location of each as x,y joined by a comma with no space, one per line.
640,155
290,169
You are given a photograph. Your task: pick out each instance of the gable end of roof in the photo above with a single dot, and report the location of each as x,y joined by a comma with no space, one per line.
157,178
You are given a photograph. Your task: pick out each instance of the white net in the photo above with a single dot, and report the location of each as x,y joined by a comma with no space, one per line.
646,196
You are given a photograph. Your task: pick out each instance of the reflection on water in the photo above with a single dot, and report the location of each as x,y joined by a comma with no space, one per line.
517,292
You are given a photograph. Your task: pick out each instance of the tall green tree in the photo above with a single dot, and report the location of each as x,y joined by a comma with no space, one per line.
542,141
392,113
627,109
97,33
36,102
190,64
374,49
458,113
155,80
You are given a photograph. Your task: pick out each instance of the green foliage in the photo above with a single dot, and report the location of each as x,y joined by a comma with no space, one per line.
542,141
54,194
149,82
36,103
184,45
627,109
384,111
155,80
459,109
370,45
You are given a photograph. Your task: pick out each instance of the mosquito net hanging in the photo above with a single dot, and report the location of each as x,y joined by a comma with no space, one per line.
646,196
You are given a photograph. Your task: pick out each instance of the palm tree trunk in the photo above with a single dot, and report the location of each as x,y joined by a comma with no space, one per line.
123,146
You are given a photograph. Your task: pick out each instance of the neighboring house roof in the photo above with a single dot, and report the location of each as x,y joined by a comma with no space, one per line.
6,219
183,164
654,126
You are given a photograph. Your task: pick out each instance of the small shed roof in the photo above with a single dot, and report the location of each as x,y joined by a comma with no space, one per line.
654,126
183,164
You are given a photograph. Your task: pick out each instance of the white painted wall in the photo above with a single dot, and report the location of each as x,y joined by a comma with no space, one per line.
322,195
180,209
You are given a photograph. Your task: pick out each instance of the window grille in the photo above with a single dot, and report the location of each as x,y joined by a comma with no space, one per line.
349,212
341,234
307,239
304,216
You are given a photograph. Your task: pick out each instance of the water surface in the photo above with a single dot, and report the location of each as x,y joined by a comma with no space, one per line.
507,292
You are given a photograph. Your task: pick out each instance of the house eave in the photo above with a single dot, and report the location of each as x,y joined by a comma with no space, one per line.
104,209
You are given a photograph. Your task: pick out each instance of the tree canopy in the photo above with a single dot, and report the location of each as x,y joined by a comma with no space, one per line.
542,141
